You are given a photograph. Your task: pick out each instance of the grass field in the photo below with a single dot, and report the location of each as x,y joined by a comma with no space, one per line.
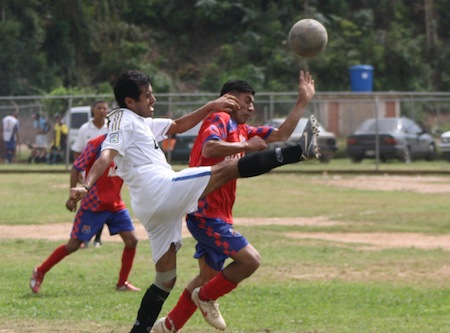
304,285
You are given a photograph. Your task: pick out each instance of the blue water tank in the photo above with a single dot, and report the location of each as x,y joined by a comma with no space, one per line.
361,77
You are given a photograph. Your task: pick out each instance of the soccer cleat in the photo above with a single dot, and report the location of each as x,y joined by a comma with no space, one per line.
160,327
36,280
308,140
127,286
210,310
97,243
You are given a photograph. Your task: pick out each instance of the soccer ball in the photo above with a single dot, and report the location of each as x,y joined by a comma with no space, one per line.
307,38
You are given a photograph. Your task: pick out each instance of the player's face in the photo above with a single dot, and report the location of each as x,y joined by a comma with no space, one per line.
245,101
144,106
100,110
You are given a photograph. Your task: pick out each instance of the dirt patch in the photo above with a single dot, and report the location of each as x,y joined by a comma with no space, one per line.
372,241
367,240
380,240
61,231
418,184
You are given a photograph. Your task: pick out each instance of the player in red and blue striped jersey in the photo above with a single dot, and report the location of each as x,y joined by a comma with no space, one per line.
102,205
226,136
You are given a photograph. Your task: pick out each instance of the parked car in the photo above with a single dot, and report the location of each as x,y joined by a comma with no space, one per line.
78,116
183,144
399,138
444,145
326,140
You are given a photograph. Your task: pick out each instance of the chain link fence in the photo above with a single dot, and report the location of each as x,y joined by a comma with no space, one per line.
341,114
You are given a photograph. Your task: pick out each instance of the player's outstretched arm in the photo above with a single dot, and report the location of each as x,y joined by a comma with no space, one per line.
306,92
98,168
221,148
225,103
71,204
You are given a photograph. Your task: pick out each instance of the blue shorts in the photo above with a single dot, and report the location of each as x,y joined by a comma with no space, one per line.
10,145
88,223
217,240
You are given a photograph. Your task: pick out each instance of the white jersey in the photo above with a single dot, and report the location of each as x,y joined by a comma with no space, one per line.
160,197
140,161
10,125
87,132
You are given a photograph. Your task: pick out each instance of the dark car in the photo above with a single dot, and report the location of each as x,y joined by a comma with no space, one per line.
183,144
398,138
326,140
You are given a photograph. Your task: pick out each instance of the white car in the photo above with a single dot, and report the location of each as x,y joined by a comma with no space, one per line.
78,116
326,140
444,145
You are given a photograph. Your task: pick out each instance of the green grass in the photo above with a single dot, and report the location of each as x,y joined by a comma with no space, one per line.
335,165
293,195
303,285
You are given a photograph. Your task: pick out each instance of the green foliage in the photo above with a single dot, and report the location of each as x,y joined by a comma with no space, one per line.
192,45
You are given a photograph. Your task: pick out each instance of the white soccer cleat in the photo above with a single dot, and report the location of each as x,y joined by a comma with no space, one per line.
210,311
160,327
36,280
308,140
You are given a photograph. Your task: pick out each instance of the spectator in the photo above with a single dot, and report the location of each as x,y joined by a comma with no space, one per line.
39,150
58,148
11,135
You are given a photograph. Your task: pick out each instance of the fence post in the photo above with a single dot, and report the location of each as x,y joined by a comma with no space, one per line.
377,134
69,119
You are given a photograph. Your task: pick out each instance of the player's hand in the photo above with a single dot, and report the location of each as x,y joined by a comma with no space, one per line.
226,103
256,143
306,88
78,193
71,205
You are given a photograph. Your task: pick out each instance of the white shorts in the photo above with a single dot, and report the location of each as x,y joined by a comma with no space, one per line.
180,198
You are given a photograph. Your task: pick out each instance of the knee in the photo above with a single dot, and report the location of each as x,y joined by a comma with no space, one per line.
226,170
71,247
131,242
166,280
168,285
254,261
250,262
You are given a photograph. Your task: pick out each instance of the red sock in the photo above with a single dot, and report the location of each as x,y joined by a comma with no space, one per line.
57,255
127,263
216,287
183,310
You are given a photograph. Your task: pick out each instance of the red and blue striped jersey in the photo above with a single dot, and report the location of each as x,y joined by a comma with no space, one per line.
105,193
220,126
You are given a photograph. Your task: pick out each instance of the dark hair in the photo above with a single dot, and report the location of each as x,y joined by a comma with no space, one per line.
238,86
129,84
94,105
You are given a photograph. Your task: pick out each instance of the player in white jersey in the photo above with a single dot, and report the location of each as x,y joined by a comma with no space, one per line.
160,197
91,129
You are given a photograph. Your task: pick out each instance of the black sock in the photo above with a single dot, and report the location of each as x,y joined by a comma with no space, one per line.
151,306
264,161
